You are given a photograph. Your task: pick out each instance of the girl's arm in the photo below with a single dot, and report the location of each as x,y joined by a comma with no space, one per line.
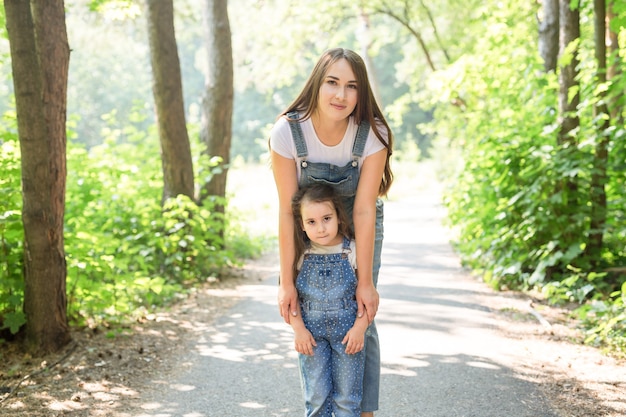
285,176
303,339
355,338
364,217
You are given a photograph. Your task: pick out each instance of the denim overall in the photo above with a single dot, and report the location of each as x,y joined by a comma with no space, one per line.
345,180
332,380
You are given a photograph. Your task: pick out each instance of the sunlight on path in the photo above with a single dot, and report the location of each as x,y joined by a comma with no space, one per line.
441,356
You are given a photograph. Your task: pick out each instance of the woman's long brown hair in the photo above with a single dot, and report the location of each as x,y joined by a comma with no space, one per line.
366,107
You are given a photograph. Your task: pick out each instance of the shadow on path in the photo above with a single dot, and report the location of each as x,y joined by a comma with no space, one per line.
244,365
442,355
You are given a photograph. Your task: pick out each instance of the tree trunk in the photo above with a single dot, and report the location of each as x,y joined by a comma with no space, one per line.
614,67
568,119
218,100
364,36
40,60
549,34
599,176
569,33
176,158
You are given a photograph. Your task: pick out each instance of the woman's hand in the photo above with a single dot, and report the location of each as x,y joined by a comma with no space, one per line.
367,299
364,217
287,302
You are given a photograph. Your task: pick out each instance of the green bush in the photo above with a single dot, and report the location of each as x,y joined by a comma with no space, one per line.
521,203
11,235
125,253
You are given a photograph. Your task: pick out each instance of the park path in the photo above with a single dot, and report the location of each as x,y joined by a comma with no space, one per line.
442,352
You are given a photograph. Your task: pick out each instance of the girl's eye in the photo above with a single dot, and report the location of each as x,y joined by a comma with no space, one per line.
327,219
353,86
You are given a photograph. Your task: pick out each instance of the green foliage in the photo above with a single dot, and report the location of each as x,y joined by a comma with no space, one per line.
116,9
110,66
521,203
125,253
606,322
11,233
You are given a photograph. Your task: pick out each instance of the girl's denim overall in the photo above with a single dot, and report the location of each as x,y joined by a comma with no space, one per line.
345,180
332,380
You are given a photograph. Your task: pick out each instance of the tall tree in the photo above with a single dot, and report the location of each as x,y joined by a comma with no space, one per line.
569,99
218,99
599,177
364,37
40,56
168,96
569,96
614,67
549,34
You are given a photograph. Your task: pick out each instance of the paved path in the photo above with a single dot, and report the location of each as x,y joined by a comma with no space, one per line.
441,353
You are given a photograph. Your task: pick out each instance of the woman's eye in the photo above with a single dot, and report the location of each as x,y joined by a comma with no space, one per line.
353,86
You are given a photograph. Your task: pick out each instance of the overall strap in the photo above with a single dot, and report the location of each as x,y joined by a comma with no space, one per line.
361,138
345,249
296,133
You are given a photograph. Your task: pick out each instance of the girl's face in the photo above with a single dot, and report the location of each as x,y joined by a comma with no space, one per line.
320,222
338,92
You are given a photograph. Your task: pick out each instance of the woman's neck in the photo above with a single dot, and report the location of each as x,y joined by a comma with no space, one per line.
329,132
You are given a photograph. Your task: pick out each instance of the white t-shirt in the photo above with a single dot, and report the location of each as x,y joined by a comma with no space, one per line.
327,250
281,141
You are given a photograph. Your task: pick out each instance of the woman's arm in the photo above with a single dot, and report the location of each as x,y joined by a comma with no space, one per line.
285,176
364,217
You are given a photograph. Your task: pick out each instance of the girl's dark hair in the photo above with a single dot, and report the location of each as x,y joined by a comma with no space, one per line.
366,107
317,193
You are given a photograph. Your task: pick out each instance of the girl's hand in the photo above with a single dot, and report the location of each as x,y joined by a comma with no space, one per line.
287,302
354,340
304,342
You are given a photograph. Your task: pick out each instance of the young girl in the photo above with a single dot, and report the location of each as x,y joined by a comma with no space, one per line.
335,133
328,335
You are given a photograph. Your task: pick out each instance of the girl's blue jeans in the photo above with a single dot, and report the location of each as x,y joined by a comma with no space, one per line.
334,379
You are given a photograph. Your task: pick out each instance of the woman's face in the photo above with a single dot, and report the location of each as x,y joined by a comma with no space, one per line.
338,92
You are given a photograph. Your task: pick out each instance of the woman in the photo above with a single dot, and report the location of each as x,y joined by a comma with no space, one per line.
334,132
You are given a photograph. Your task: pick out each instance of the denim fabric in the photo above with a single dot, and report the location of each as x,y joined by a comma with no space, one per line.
332,381
345,180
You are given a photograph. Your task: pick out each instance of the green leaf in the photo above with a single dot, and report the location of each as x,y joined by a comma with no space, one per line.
13,321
